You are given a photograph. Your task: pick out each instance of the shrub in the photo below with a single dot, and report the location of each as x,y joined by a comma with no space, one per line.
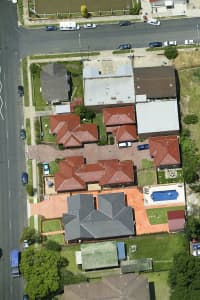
30,190
135,10
171,52
190,119
84,11
112,140
52,245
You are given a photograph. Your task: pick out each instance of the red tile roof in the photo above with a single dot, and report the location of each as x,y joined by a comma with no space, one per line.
119,116
126,133
70,132
165,150
75,175
176,214
176,220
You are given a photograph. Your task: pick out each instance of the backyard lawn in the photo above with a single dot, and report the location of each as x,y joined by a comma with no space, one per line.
160,281
59,238
47,136
69,253
146,177
162,179
51,225
159,215
102,129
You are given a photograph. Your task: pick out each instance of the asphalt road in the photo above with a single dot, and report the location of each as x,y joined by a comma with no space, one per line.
106,37
12,195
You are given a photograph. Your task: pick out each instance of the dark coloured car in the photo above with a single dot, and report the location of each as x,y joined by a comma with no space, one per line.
155,44
124,23
124,47
51,28
24,178
20,90
22,134
25,297
143,147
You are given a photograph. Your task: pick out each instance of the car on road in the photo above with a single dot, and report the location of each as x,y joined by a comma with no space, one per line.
170,43
22,134
143,147
89,26
124,144
51,28
189,42
20,90
155,44
46,169
124,23
24,178
124,47
154,22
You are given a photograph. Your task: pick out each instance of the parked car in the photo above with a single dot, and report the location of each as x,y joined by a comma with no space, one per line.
155,44
124,23
25,244
20,90
124,144
124,46
22,134
25,297
189,42
89,26
170,43
154,22
143,147
51,28
46,169
24,178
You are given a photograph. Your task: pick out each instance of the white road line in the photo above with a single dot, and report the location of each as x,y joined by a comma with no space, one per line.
7,133
8,164
9,194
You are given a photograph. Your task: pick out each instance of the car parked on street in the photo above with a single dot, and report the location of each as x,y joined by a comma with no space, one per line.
22,134
189,42
25,244
51,28
89,26
24,178
124,144
155,44
46,168
170,43
154,22
20,90
124,23
124,47
143,147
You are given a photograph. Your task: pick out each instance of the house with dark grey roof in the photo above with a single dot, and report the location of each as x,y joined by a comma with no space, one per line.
55,83
112,218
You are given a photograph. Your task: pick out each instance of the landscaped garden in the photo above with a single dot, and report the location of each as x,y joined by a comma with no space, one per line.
162,178
159,215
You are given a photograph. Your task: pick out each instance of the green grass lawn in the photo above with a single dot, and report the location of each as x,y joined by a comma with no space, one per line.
160,281
30,171
147,164
102,129
65,55
147,177
160,247
47,136
163,180
28,132
51,225
53,167
38,101
59,238
159,215
25,81
69,253
31,221
76,70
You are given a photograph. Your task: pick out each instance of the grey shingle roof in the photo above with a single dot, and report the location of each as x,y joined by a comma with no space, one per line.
112,219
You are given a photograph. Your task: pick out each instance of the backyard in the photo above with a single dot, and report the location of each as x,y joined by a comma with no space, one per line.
159,215
147,175
102,129
160,282
163,180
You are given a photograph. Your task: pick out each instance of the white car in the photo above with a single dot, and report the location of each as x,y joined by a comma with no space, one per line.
46,169
124,144
14,1
189,42
89,26
26,244
154,22
170,43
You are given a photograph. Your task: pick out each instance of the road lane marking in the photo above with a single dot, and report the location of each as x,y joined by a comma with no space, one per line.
8,164
7,133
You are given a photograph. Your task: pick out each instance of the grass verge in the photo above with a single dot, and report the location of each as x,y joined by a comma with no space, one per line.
20,11
28,131
25,81
66,55
159,215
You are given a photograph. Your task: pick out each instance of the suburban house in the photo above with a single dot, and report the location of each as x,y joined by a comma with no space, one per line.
156,102
165,151
169,7
75,175
108,82
128,286
120,121
176,220
88,218
55,83
70,132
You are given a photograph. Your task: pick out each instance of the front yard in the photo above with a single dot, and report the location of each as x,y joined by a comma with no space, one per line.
51,225
159,215
47,137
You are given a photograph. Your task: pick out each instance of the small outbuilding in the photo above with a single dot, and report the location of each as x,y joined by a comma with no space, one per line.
176,220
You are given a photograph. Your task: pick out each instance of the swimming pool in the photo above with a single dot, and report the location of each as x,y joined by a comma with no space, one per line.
164,195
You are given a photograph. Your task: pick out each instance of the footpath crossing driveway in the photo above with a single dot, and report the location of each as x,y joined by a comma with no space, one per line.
91,152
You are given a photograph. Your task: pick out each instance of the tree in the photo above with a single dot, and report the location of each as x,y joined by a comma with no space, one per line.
31,235
84,112
171,52
30,190
35,69
41,270
84,11
192,228
52,245
190,119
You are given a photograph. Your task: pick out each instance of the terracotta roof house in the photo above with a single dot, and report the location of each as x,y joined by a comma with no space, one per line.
116,116
75,175
126,133
55,82
119,287
176,220
70,133
165,151
84,222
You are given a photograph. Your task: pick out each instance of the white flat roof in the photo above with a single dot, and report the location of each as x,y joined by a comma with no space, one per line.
108,81
178,187
63,108
157,116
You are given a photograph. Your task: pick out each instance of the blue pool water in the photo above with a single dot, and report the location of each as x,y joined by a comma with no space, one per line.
164,195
